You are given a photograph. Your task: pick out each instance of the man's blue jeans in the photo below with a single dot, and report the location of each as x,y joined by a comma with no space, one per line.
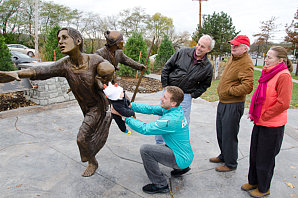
186,106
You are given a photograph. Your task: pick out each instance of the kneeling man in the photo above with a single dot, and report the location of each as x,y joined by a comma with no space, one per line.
172,125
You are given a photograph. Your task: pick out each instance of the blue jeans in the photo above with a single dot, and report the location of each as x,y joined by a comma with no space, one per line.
186,106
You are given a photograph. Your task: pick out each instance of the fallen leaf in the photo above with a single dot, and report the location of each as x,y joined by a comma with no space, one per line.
293,195
290,185
207,142
293,167
294,176
284,179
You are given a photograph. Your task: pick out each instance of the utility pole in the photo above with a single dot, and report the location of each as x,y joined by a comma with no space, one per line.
36,15
200,11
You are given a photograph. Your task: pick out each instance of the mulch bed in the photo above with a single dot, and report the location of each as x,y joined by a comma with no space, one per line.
13,101
16,99
148,85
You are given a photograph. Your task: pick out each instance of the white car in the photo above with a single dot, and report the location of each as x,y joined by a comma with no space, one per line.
21,48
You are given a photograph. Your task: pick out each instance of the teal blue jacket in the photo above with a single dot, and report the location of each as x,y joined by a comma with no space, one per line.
172,126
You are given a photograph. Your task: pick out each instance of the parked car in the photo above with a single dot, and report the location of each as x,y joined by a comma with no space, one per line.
18,58
21,48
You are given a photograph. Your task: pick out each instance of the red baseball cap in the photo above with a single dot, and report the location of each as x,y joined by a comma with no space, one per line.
240,39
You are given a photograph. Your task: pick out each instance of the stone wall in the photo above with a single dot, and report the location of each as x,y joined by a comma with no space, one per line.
50,91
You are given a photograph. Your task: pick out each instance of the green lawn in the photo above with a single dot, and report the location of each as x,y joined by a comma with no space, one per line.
211,93
292,74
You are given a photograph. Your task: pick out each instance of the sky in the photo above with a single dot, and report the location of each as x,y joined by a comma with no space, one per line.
246,15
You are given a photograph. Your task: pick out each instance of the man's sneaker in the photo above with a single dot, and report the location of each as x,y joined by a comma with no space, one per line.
127,132
179,172
257,193
224,168
248,187
216,160
152,189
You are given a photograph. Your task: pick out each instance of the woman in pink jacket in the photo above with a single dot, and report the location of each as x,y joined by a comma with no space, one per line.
268,111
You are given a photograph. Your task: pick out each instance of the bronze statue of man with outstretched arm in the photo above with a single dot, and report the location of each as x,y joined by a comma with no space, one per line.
85,74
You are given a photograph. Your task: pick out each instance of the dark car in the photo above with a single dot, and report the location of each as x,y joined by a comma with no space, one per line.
18,58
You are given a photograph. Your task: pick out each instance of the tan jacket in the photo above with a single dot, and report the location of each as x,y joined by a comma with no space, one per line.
237,79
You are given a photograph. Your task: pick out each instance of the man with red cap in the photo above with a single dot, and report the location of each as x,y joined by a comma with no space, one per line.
235,83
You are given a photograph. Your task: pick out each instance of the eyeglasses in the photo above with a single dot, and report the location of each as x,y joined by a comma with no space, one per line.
235,46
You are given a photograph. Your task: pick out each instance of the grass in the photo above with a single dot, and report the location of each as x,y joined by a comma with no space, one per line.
211,93
292,74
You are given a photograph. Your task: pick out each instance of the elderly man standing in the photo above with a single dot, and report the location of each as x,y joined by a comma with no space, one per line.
190,70
236,82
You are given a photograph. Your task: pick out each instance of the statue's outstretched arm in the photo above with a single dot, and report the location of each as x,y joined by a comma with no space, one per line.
8,76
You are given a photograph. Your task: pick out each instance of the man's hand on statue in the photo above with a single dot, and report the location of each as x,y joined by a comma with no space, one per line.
8,76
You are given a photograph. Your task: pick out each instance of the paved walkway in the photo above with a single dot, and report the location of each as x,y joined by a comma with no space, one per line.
39,157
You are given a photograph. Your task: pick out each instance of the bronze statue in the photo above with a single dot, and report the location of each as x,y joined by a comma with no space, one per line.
112,52
84,73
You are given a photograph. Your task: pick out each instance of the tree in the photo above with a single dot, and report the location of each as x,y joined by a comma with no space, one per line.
220,27
134,45
292,33
8,10
165,51
159,25
267,29
5,57
52,45
179,39
91,27
132,20
292,36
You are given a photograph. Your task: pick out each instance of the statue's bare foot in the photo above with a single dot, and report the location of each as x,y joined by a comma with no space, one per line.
91,168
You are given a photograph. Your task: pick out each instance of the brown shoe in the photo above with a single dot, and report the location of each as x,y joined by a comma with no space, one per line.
215,160
224,168
257,193
248,187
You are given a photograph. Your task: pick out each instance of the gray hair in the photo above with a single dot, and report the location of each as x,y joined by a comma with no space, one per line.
248,48
212,41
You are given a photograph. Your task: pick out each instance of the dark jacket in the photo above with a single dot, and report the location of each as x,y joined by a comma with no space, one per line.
181,71
122,107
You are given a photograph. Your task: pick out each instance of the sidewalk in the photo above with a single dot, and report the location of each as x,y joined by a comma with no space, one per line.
39,157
